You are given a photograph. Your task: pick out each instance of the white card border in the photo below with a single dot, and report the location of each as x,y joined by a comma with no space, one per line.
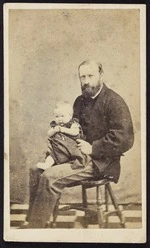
71,235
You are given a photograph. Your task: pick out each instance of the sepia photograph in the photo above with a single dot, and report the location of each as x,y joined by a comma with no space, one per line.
75,123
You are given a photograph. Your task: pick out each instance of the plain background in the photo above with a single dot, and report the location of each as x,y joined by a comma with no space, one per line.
45,49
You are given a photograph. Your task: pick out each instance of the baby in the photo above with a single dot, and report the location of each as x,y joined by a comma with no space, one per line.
62,145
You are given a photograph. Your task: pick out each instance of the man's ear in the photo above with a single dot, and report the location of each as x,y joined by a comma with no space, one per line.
101,75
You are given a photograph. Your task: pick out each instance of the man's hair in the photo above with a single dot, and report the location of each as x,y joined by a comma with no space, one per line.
65,105
88,62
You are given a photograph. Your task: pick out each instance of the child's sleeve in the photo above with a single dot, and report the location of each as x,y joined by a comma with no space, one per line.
53,124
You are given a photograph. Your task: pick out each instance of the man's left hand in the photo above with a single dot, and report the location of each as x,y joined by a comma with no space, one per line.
84,146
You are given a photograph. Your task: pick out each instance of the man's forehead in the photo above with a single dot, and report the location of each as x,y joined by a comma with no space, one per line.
88,68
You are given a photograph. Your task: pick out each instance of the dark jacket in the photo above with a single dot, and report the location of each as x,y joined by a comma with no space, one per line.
107,125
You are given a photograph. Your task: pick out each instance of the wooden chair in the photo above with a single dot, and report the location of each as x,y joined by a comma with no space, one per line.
102,214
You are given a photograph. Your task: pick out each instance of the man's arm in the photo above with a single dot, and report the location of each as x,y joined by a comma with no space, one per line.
120,136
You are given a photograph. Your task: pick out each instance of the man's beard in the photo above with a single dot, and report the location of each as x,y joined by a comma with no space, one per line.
88,91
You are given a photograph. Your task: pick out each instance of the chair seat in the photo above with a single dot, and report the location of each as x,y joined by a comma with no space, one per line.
90,183
93,183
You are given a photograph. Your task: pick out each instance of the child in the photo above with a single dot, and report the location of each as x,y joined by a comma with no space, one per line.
62,145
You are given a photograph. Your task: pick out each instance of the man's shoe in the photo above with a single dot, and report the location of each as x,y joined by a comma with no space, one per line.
25,225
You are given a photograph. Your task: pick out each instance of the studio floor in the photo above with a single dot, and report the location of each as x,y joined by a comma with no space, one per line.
76,218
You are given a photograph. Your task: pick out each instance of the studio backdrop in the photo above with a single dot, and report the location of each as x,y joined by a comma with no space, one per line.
45,50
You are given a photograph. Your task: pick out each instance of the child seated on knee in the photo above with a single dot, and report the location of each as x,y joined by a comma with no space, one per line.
62,136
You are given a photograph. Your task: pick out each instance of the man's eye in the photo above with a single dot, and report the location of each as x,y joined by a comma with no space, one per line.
90,76
83,77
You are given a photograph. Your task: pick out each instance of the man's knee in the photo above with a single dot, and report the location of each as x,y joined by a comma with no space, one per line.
46,174
34,170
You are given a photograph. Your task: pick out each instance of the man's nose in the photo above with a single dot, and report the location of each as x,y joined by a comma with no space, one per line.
86,81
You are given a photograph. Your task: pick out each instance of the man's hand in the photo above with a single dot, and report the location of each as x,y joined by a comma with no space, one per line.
84,146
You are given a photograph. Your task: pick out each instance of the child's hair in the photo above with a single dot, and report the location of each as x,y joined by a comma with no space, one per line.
65,106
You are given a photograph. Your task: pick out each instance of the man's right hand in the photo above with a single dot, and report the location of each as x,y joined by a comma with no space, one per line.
84,146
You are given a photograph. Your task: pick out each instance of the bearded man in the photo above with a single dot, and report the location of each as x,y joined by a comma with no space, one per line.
108,129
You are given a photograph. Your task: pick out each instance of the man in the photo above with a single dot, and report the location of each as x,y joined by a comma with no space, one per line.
107,126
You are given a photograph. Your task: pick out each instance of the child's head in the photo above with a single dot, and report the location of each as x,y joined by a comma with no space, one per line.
63,112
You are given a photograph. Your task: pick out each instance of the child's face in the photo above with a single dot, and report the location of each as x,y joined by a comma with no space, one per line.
62,116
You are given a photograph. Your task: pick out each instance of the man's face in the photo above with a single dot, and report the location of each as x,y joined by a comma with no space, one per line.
90,79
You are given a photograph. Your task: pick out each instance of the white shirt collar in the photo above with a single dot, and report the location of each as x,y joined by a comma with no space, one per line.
97,92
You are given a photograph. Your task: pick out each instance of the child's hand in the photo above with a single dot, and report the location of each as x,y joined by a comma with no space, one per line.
52,131
57,129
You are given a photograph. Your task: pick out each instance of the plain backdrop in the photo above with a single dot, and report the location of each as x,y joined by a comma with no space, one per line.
45,49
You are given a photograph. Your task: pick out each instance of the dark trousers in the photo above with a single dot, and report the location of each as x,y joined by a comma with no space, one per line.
46,187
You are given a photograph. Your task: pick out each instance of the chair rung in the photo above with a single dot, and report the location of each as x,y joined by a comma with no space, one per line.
89,184
71,206
109,213
80,207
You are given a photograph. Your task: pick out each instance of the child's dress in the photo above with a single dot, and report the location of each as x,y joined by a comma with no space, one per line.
63,147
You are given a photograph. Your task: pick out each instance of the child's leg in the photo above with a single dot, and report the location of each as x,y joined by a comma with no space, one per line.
66,150
59,149
49,161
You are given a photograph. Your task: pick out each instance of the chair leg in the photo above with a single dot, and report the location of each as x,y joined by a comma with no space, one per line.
99,206
55,214
84,196
106,206
114,201
85,206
